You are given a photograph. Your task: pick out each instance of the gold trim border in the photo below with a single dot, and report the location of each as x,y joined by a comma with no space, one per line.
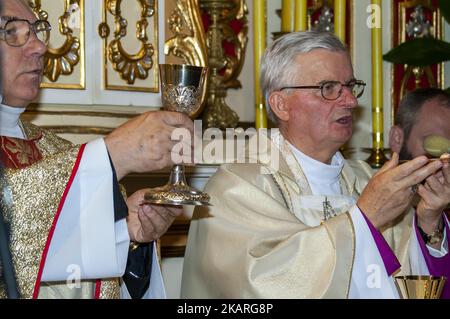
154,89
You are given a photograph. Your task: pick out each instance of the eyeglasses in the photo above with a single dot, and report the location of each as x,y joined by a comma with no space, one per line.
332,90
16,32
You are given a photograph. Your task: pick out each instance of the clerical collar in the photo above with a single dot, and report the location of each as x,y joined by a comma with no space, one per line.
9,121
322,178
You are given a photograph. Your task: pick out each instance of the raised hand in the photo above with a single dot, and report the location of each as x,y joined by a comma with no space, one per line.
144,143
434,198
148,222
389,191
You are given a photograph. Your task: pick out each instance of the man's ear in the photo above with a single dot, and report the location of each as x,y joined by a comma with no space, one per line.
396,137
279,106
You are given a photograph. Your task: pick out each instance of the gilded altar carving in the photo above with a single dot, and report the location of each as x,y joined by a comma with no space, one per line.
415,19
417,25
197,46
188,41
62,60
239,40
225,67
321,16
129,66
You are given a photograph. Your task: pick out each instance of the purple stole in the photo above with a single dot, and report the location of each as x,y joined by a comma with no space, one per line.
390,261
437,266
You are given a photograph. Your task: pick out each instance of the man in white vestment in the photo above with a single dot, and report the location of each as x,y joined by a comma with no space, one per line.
310,225
69,226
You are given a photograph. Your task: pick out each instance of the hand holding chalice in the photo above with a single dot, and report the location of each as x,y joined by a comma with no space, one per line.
183,90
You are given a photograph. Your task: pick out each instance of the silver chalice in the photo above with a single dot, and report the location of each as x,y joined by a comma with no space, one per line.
183,90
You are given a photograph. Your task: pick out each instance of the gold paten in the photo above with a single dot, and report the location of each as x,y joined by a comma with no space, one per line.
164,194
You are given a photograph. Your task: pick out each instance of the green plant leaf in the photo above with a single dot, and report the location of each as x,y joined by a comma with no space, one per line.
419,52
444,5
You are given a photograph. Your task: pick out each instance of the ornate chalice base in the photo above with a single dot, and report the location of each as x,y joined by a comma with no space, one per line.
420,287
176,192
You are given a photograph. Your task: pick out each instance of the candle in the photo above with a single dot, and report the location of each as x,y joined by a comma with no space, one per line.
300,15
377,83
259,45
339,19
287,16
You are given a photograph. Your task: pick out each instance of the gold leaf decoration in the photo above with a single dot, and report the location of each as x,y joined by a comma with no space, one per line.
130,66
189,45
62,60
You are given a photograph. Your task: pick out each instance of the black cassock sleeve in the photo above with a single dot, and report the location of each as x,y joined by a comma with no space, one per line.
139,262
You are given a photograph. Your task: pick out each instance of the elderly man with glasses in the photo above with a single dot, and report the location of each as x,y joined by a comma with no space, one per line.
310,225
69,226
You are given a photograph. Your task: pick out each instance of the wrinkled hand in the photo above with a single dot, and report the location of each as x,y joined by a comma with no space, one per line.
388,192
434,198
148,222
144,143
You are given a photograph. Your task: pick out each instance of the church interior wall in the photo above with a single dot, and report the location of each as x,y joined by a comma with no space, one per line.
83,114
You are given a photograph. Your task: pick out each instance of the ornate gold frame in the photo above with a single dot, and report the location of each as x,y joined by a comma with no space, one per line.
130,66
62,61
408,4
438,33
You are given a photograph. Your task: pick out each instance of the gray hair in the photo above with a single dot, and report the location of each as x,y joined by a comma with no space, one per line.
412,103
277,61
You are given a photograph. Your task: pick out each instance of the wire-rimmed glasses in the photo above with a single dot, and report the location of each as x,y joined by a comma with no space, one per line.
16,32
332,90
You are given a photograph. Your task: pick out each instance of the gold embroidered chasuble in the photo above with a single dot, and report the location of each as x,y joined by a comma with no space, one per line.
42,166
259,241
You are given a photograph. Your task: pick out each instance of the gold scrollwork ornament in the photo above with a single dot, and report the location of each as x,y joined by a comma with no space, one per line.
62,60
189,41
129,66
225,69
